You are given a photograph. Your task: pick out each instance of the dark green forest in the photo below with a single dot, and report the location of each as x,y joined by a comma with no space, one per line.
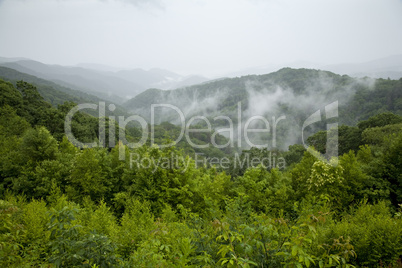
62,206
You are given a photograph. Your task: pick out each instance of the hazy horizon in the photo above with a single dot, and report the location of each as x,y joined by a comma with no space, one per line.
209,38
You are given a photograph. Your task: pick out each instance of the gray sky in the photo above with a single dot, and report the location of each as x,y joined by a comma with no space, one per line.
198,36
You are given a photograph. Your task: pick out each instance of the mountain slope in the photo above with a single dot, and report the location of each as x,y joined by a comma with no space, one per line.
90,81
113,85
294,94
284,86
52,92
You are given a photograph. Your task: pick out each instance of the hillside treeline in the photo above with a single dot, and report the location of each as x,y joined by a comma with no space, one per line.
61,206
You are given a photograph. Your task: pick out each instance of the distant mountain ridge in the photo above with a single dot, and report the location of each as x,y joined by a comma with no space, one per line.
100,80
390,66
52,92
90,81
294,94
381,68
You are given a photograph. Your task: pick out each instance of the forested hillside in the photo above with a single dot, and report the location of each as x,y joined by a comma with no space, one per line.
294,92
109,83
90,81
61,206
52,92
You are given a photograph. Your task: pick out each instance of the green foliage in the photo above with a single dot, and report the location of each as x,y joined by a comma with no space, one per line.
11,159
53,93
89,176
372,131
12,235
380,120
9,96
39,145
393,167
349,138
324,177
136,224
34,219
61,206
267,191
69,249
10,123
384,96
162,177
301,173
294,154
379,135
375,234
168,245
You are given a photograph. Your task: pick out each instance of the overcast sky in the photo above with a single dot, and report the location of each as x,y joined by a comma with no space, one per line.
207,37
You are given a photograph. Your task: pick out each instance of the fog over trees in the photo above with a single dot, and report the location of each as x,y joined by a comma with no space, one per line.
168,133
